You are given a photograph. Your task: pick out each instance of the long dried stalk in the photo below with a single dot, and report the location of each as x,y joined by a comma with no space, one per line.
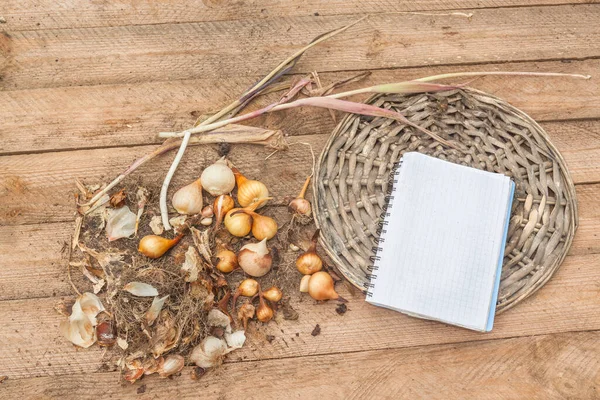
414,86
330,103
227,134
284,67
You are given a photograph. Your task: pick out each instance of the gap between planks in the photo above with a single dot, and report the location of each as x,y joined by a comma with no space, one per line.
219,49
39,188
554,366
193,13
126,115
29,326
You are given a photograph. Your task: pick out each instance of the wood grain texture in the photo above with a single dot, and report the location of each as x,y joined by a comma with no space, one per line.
37,253
39,188
31,345
46,14
222,49
555,366
132,114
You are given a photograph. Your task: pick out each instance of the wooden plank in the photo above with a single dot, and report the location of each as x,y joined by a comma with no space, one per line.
126,54
31,345
555,366
125,115
46,14
30,254
39,188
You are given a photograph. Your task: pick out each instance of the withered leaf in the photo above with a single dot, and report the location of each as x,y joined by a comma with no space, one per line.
118,199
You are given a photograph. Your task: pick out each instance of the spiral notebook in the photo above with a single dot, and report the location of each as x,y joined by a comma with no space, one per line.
442,242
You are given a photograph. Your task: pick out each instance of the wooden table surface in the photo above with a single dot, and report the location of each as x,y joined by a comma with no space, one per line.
86,85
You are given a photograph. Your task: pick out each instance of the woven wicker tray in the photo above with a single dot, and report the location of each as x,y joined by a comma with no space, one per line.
353,169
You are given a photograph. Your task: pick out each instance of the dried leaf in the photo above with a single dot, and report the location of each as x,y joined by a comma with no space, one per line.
209,353
177,222
122,343
141,289
219,318
235,340
156,225
166,335
118,199
192,265
154,310
103,258
98,285
202,242
79,328
120,223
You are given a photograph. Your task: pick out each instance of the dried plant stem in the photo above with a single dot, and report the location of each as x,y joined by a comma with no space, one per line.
69,268
324,102
230,134
164,212
238,104
414,86
333,102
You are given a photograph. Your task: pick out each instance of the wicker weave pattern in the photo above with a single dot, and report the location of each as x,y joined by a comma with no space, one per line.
353,170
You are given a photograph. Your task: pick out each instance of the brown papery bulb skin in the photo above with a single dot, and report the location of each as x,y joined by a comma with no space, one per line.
106,334
320,286
249,190
245,313
309,263
273,294
155,246
221,206
227,261
263,227
264,313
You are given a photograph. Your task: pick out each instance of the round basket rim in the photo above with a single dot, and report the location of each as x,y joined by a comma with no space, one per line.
564,171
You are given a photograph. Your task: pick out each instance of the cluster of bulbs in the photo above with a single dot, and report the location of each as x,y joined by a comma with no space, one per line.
254,259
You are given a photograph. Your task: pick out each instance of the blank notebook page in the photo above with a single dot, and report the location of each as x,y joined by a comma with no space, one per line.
443,240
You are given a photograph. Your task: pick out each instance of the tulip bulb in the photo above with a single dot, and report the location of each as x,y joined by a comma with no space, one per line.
254,258
154,246
207,212
249,190
248,288
309,262
263,227
222,205
238,224
273,294
227,261
188,199
264,313
320,286
300,206
218,178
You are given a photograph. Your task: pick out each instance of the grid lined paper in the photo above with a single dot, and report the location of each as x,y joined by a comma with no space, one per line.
445,232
